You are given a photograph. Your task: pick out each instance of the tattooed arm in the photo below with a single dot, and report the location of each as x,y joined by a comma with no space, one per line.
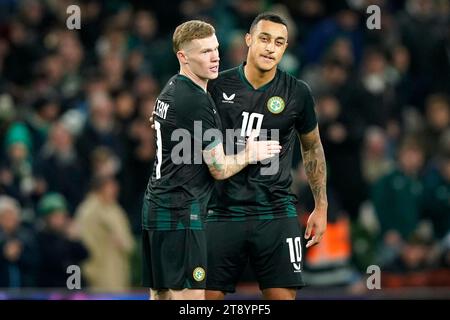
315,168
223,166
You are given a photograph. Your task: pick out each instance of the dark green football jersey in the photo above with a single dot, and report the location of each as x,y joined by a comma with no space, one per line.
285,104
180,186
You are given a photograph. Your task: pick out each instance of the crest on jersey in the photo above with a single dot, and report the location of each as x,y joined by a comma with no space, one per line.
199,274
275,105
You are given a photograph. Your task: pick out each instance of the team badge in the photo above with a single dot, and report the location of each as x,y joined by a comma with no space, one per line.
199,274
275,105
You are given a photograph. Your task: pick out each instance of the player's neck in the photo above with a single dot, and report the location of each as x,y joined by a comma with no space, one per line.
202,83
258,78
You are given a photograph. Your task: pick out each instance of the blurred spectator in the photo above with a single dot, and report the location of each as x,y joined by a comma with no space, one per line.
113,70
7,116
144,86
92,20
401,75
72,54
59,244
49,74
16,171
440,62
139,141
376,162
412,265
345,23
437,191
145,40
332,77
437,112
306,13
341,50
374,99
104,162
125,108
388,35
419,32
445,253
197,9
398,197
236,16
18,251
113,41
45,112
100,128
420,263
22,54
413,256
106,233
59,167
341,138
237,52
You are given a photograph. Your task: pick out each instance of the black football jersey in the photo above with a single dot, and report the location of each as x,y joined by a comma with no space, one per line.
180,185
279,110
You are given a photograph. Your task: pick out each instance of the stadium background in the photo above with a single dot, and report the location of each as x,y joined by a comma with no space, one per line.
74,108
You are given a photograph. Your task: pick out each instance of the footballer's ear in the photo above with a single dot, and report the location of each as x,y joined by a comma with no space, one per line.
248,39
182,57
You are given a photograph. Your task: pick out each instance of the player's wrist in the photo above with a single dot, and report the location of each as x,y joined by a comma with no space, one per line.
321,208
247,155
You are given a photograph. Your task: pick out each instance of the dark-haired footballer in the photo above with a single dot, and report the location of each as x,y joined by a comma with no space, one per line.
252,216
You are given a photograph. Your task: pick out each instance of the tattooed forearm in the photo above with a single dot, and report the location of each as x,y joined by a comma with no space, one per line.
222,166
315,166
215,162
234,164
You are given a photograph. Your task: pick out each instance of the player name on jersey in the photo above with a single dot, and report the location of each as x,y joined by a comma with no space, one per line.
161,108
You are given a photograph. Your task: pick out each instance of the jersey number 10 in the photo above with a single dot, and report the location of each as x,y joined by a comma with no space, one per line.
247,123
295,249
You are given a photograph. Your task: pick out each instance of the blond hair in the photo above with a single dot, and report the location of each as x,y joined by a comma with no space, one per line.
190,30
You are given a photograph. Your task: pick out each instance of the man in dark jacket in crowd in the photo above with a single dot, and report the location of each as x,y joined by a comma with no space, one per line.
18,255
59,246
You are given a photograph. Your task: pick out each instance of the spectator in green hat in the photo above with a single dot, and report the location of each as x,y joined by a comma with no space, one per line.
53,209
59,246
18,141
16,173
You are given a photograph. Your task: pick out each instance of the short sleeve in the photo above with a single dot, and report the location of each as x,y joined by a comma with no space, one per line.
306,120
197,115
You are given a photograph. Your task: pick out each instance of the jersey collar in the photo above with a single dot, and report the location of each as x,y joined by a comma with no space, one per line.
184,78
244,79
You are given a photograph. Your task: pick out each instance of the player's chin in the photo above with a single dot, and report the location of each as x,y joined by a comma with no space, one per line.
266,67
267,60
213,75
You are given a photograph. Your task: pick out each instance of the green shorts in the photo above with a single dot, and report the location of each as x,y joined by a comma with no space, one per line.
174,259
273,248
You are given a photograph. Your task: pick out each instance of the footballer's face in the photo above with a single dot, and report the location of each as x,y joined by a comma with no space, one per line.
266,44
201,56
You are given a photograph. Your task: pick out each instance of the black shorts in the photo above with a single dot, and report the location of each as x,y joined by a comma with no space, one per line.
273,248
174,259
